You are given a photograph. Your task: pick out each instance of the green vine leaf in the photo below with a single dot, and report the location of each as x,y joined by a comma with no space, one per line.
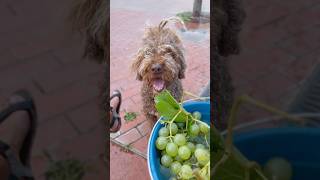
168,107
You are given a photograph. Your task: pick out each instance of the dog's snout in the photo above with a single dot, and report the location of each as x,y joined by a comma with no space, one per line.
156,68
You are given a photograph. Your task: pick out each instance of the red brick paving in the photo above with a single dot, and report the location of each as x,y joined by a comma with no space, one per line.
142,144
280,46
131,166
37,52
129,137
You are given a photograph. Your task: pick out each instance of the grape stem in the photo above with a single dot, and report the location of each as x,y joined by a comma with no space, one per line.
205,168
172,122
205,138
195,96
197,120
231,123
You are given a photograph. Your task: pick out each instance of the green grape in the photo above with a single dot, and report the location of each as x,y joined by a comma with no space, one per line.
278,168
166,160
194,129
161,143
203,128
202,155
164,132
178,158
181,125
175,167
191,146
173,178
174,128
196,115
186,172
200,146
172,149
180,139
184,152
163,152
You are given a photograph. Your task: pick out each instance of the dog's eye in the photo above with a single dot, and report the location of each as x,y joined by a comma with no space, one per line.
166,50
147,53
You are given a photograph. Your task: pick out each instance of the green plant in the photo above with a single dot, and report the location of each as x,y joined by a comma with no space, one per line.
69,169
185,16
130,116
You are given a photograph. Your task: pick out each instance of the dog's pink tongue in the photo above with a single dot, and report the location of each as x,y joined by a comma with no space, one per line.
158,85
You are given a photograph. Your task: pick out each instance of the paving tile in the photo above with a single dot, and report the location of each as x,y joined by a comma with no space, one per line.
69,98
85,147
129,137
40,164
145,127
142,144
7,59
97,170
129,125
86,117
52,133
52,81
126,165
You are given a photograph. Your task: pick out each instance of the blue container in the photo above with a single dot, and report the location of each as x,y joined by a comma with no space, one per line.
156,171
300,146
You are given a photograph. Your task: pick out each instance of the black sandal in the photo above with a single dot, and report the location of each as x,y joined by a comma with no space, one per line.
21,169
115,112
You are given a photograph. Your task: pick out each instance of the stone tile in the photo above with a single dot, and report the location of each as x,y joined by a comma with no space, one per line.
142,144
52,133
87,117
145,128
129,137
126,165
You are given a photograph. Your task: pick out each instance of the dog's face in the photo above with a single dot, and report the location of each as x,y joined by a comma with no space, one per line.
161,60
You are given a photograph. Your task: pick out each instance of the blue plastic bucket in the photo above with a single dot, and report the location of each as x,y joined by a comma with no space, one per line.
300,146
156,171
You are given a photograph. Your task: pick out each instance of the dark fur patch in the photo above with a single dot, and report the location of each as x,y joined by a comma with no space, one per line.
91,18
228,16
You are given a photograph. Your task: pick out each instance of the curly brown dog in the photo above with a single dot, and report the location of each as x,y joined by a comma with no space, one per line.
228,16
159,64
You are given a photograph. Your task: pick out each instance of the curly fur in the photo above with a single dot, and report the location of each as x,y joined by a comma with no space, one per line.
161,46
228,16
91,18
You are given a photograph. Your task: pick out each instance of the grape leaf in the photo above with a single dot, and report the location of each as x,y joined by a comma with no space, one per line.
168,107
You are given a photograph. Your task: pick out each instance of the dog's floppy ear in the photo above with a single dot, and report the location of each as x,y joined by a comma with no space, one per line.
137,63
182,67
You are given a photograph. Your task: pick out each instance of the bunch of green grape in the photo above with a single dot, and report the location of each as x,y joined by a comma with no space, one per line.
185,148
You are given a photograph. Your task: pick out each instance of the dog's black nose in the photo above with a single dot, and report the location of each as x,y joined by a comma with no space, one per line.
156,68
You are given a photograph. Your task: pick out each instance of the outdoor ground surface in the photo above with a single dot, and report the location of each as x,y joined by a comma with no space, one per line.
280,46
38,53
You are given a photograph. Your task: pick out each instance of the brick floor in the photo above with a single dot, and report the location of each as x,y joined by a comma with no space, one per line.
131,166
38,53
280,47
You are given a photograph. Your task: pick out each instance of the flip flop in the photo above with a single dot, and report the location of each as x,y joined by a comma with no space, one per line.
21,169
115,112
